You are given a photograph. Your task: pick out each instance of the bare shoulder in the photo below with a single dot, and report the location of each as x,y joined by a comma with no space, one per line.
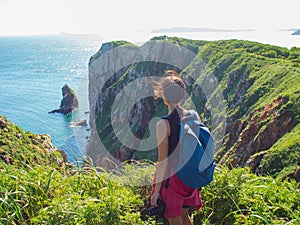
162,124
163,127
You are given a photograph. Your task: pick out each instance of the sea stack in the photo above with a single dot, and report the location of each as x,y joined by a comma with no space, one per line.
69,101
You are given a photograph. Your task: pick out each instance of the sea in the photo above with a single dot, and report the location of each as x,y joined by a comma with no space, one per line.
33,69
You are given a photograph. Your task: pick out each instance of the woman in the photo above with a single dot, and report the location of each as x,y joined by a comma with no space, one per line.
167,186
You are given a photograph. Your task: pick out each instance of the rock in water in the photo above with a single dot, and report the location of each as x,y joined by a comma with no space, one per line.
69,101
81,123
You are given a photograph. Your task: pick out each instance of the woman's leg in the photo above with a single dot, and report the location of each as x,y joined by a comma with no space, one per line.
175,221
186,219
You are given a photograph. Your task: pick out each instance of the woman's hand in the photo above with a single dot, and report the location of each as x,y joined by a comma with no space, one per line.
154,198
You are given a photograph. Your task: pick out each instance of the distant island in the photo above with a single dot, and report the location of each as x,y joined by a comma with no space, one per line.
297,32
197,29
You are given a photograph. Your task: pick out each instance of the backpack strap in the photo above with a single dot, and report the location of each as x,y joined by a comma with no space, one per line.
191,116
194,114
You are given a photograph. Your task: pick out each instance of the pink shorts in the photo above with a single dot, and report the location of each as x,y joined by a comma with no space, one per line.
177,196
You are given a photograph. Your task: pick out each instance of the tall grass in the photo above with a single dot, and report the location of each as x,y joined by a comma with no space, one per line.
239,197
43,195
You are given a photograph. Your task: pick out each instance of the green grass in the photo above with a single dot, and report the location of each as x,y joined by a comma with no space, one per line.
36,187
113,44
43,195
239,197
44,192
284,154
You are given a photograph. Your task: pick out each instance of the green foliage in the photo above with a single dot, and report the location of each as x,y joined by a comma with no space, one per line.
295,56
190,44
94,199
239,197
24,149
251,76
284,156
43,193
113,45
40,191
270,54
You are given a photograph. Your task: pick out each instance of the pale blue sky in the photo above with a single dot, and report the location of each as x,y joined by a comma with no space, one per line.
113,18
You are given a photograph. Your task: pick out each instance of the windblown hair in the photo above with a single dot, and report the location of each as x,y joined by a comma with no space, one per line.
171,87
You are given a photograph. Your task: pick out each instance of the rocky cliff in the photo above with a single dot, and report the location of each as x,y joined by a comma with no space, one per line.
245,91
69,101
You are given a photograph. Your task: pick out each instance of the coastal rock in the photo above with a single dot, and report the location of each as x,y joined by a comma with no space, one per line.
44,140
295,175
3,123
64,156
69,101
123,153
80,123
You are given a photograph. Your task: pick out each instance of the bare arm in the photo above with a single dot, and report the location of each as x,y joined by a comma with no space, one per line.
162,133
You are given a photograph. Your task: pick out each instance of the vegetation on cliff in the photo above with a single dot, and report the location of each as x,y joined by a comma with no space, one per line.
262,99
260,87
38,187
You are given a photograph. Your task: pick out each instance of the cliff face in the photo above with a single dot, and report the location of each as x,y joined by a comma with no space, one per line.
121,99
251,138
245,91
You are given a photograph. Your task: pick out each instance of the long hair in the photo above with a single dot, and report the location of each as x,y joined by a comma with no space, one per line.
171,88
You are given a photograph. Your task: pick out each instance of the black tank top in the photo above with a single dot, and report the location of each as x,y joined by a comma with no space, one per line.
173,139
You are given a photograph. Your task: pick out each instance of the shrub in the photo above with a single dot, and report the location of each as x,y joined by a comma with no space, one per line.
270,54
239,197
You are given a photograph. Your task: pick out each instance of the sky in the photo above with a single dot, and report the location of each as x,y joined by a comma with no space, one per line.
113,18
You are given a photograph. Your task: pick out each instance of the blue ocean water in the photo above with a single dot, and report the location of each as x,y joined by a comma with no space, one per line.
33,70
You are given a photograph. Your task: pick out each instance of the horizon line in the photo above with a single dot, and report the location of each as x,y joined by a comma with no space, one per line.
158,30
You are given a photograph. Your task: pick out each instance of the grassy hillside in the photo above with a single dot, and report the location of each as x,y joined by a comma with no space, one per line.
24,149
37,187
41,189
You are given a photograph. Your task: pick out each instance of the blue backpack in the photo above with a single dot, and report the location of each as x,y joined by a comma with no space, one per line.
195,166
